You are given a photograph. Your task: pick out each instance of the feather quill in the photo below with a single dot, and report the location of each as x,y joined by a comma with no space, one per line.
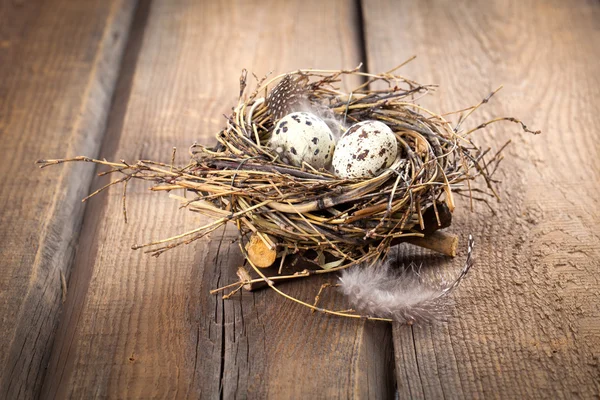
403,296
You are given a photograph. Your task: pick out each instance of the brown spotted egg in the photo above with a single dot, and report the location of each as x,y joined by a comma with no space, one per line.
365,150
303,137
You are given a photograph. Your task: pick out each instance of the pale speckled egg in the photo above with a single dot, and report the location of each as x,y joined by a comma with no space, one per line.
365,150
303,137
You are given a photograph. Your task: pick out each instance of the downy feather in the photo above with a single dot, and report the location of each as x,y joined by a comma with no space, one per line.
380,291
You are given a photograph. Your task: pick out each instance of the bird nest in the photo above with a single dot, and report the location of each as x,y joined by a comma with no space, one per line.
282,210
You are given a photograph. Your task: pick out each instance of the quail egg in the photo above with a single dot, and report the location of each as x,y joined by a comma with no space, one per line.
303,137
365,150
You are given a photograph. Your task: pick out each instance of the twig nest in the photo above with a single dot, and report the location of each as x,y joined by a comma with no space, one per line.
365,150
302,137
406,162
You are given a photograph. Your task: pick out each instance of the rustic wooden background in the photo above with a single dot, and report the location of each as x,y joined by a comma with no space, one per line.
125,80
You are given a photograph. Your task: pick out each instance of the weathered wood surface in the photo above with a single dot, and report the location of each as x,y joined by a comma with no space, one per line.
526,323
59,62
136,326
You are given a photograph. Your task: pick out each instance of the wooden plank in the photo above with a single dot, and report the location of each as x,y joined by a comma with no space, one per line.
526,323
141,327
58,65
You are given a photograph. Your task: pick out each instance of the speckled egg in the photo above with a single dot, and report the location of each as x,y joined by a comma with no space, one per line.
303,137
365,150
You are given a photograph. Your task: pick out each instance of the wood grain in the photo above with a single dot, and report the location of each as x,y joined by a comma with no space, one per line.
58,66
526,323
141,327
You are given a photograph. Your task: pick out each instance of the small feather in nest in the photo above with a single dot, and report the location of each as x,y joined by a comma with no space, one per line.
287,96
402,296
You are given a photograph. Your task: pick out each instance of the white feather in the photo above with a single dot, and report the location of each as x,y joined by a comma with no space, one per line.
329,117
405,297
